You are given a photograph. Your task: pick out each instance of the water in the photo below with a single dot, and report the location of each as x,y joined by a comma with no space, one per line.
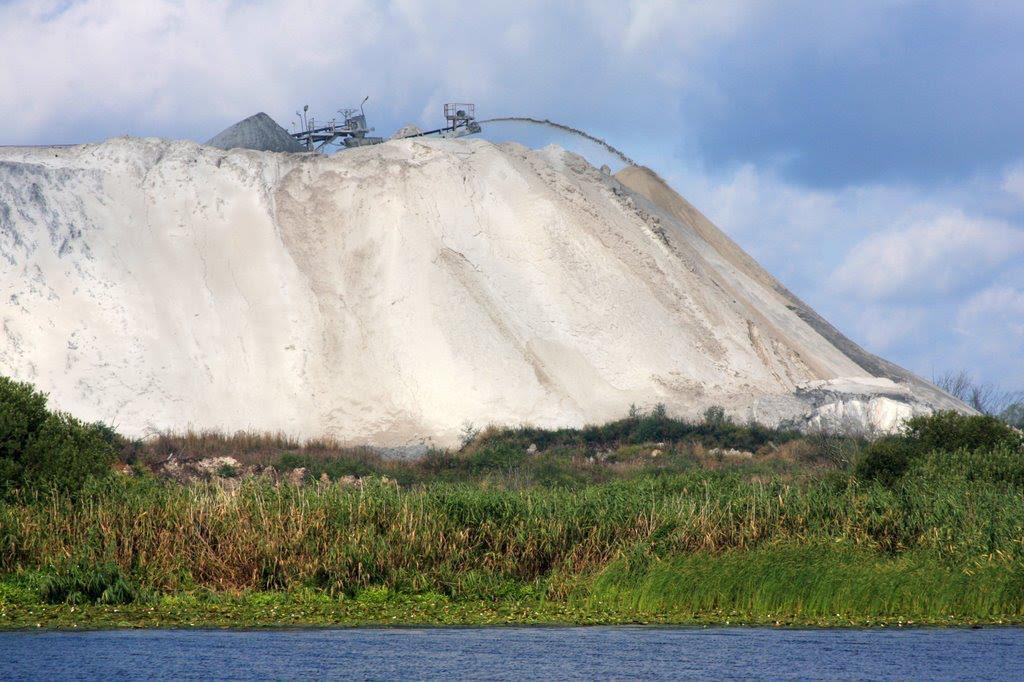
515,653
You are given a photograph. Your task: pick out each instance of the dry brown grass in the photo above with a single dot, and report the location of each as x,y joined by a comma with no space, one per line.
248,447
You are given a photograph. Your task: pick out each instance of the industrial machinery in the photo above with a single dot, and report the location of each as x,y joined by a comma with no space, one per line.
352,131
461,121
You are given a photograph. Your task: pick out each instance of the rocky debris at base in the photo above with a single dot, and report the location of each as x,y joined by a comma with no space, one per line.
225,467
230,472
188,470
731,453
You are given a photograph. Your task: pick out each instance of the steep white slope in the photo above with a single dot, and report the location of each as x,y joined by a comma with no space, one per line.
389,294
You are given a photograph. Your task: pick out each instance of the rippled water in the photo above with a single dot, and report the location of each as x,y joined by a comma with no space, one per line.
516,653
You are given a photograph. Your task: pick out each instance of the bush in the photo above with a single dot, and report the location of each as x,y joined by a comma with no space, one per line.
227,471
496,457
1014,415
335,468
65,452
887,459
955,431
40,448
128,449
22,413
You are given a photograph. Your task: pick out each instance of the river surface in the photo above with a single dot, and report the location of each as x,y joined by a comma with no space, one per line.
515,653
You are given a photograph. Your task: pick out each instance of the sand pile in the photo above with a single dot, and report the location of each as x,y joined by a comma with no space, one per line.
389,294
259,132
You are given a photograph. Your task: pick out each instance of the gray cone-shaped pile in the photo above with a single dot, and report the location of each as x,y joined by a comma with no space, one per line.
258,132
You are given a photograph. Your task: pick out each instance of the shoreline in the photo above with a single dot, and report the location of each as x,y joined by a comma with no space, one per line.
251,612
643,521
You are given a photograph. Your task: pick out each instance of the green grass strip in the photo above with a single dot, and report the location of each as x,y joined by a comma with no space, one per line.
810,583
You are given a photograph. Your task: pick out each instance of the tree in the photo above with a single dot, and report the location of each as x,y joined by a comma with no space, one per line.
42,448
1014,414
984,397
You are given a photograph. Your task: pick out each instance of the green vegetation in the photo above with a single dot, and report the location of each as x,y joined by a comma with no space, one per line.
646,519
87,583
814,583
640,445
43,449
887,459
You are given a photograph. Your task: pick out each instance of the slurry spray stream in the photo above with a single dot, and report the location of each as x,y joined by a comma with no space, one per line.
545,122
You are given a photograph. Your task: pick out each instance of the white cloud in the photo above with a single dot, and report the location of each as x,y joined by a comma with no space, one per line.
900,269
1013,182
990,326
799,232
936,257
884,327
999,305
668,27
105,67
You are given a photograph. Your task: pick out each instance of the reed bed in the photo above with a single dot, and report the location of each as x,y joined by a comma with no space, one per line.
465,541
814,583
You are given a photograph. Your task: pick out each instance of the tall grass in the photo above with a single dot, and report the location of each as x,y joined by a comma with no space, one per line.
472,542
646,515
817,581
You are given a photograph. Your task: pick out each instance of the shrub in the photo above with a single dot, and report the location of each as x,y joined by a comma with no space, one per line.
955,431
468,434
496,457
1014,415
887,459
65,452
38,447
128,449
1002,466
658,426
22,413
335,468
715,416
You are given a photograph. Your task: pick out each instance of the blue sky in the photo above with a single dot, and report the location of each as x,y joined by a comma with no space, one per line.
870,154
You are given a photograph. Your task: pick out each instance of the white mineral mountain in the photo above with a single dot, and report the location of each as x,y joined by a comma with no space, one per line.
389,294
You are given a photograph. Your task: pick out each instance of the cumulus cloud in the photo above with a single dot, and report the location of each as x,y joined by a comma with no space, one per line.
885,328
990,325
937,257
776,120
899,268
1000,305
98,68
